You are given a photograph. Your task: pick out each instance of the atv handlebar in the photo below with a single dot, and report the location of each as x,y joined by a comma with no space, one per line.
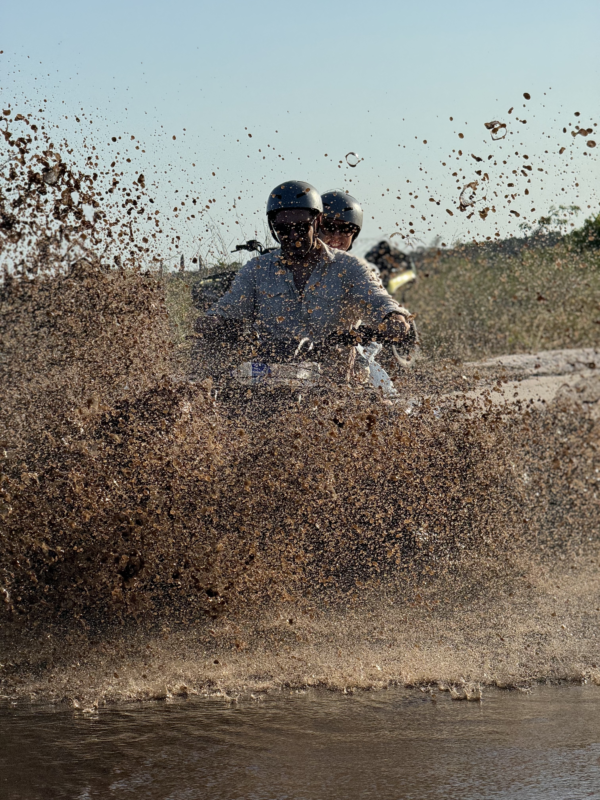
253,246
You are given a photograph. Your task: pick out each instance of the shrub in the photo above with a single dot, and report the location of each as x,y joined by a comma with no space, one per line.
588,236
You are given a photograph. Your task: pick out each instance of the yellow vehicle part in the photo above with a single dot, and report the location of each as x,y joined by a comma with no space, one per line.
397,281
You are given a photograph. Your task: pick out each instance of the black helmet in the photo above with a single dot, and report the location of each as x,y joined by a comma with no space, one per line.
293,194
388,258
337,205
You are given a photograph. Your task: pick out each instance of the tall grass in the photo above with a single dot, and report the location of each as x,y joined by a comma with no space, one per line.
477,301
178,294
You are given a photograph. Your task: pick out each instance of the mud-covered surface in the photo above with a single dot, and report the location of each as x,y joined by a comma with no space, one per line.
157,539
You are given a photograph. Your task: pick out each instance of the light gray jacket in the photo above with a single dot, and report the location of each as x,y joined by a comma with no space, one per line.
341,292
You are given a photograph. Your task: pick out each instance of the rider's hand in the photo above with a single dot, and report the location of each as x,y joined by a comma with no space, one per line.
395,328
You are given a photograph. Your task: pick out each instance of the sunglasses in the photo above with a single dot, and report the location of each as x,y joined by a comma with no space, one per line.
288,228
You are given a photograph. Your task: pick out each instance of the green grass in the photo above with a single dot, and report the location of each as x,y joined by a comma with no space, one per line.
473,302
178,293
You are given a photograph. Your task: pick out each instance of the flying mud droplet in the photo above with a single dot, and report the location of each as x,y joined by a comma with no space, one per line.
353,159
469,196
51,175
526,95
497,128
591,143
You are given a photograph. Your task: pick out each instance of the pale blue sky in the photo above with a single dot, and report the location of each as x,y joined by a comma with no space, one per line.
309,79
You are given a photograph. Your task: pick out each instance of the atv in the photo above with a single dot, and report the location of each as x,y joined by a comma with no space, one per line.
238,365
396,269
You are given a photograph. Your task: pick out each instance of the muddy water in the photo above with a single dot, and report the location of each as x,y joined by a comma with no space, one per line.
396,744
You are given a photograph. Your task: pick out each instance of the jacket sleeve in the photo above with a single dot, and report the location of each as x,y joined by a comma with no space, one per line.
366,292
239,301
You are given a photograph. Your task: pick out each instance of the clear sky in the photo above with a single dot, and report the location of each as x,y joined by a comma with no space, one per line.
311,82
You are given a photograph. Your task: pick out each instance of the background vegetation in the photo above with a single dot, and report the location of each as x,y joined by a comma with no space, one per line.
476,301
539,292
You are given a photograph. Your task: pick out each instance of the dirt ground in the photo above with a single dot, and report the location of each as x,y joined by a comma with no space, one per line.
542,377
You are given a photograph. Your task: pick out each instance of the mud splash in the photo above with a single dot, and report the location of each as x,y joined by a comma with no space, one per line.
539,626
156,540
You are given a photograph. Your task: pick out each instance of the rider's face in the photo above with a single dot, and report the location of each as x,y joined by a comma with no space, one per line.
337,235
296,229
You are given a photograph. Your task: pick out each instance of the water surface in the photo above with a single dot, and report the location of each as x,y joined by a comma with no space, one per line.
305,746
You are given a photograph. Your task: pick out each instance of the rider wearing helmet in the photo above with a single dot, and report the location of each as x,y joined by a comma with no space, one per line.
341,224
303,291
342,219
